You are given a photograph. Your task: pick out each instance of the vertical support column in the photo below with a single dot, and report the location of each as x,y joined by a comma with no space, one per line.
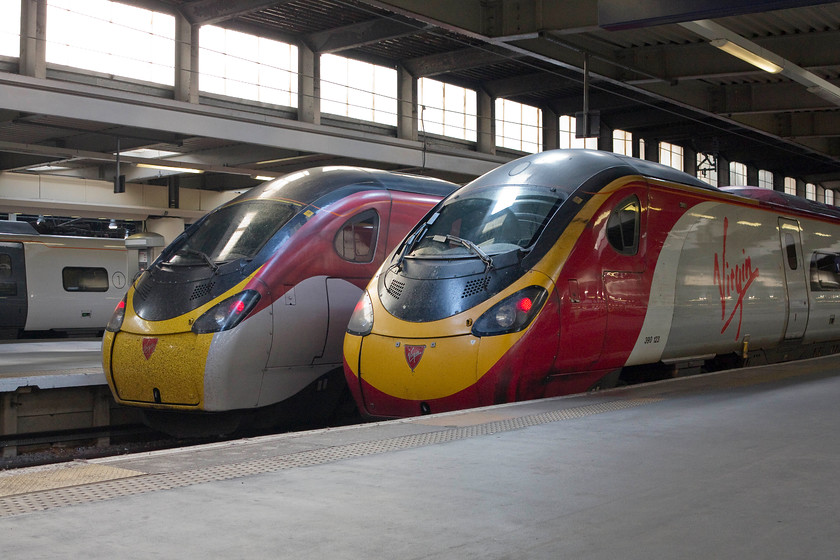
752,175
309,85
800,188
723,171
486,123
406,105
652,149
33,38
551,129
186,60
778,182
169,228
690,161
636,146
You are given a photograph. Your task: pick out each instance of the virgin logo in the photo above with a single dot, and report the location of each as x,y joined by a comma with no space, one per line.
413,353
733,283
149,345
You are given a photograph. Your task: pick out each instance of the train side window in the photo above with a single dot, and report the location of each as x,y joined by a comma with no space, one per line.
623,226
5,265
84,279
825,272
790,251
356,240
7,288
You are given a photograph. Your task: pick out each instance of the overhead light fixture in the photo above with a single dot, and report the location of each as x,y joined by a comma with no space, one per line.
113,224
264,178
40,219
746,55
169,168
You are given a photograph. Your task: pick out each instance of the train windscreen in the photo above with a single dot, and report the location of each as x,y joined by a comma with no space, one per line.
493,219
236,231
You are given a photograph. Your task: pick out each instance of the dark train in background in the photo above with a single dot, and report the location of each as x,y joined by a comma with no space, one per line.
574,270
246,310
56,284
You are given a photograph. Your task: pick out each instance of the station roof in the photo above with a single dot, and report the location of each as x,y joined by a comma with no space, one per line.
652,71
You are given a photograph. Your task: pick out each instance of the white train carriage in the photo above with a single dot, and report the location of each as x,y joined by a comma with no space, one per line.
58,283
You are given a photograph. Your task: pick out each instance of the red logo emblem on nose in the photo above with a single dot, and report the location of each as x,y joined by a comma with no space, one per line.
413,353
149,345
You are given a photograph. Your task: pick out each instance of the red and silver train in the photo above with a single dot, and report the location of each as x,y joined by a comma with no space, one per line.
247,308
57,284
573,270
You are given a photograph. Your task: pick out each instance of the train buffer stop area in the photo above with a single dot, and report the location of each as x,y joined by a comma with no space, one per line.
736,464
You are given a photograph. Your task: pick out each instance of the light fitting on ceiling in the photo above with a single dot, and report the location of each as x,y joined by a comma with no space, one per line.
169,168
746,55
113,224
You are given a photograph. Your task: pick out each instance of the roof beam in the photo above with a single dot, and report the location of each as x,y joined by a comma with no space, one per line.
456,61
205,12
361,34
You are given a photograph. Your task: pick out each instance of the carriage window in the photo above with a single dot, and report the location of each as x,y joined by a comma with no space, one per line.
7,288
356,240
623,226
5,266
790,250
84,279
825,272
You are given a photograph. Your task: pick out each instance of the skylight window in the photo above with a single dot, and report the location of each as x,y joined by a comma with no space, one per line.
446,109
10,28
112,38
518,126
248,67
358,90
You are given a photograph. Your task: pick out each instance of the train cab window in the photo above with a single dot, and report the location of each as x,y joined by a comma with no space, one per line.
356,240
825,272
84,279
623,226
790,251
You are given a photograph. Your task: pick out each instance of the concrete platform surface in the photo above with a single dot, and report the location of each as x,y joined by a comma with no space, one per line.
739,465
50,364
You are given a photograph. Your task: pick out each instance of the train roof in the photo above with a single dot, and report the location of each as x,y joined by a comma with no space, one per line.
569,169
784,201
312,184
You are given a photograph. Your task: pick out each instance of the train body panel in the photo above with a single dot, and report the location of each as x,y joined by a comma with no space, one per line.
60,283
642,267
258,293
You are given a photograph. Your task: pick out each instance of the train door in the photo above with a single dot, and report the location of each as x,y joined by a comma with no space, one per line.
624,268
795,280
13,299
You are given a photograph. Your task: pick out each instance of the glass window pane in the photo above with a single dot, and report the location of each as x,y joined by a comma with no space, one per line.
114,38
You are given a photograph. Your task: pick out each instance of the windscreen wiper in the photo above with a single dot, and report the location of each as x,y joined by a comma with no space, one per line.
485,258
202,254
412,241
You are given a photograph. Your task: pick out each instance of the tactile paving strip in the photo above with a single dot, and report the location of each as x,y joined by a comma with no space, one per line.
131,485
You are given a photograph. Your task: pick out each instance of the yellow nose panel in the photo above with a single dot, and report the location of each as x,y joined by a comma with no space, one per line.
419,369
166,369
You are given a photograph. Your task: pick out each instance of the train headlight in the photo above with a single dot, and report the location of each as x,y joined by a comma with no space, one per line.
117,318
512,314
361,321
226,314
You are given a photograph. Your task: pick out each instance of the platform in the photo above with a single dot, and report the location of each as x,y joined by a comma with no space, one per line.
738,464
55,385
50,364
